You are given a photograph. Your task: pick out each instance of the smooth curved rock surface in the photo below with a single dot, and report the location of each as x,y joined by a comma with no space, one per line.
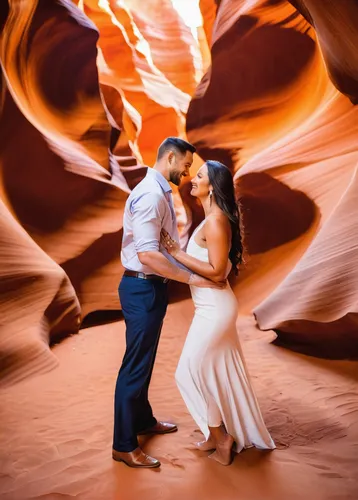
91,88
61,188
282,120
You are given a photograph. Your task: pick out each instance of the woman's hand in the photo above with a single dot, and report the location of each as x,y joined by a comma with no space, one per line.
169,244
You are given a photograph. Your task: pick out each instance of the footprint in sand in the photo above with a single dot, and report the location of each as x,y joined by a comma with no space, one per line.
170,460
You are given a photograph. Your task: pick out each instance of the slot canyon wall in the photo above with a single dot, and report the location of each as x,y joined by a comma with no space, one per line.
88,91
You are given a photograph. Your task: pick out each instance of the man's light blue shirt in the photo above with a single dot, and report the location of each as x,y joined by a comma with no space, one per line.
149,208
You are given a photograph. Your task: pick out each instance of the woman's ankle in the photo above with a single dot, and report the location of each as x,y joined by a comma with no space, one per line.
217,433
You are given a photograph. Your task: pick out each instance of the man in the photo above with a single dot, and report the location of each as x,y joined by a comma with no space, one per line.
143,296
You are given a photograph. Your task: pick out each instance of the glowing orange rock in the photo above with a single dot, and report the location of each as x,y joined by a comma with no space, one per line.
90,90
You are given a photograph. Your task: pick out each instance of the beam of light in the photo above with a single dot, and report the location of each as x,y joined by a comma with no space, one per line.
189,11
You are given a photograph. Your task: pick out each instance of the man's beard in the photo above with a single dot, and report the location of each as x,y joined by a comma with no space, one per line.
175,178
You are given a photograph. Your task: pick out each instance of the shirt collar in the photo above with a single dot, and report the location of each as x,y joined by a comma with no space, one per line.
164,184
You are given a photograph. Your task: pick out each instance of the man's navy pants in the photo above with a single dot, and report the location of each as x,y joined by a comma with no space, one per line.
144,304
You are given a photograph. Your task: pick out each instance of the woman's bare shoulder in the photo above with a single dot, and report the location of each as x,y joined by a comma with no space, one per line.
218,223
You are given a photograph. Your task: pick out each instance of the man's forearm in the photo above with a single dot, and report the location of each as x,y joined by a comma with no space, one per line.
161,265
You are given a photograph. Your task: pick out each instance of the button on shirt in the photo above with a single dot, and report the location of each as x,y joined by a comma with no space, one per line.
148,209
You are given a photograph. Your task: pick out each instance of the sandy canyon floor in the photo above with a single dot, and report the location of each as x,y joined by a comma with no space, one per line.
56,429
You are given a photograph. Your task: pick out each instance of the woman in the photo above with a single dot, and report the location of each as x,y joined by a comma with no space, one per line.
211,374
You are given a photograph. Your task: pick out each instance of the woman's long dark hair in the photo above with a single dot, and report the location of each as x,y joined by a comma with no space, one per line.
221,179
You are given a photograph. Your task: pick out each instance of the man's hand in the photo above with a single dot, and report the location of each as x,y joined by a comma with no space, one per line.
201,282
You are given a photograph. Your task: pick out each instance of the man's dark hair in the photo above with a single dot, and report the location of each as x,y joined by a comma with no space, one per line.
174,144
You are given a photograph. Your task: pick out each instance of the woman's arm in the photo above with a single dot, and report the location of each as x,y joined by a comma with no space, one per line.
218,236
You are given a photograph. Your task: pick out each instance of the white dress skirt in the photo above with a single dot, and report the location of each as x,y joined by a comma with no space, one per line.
211,375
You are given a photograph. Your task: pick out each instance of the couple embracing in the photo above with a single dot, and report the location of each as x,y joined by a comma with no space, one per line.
211,374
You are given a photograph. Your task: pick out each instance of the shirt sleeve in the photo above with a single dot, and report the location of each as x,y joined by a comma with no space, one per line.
147,218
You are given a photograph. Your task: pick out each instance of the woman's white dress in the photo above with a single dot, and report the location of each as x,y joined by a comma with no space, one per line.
211,374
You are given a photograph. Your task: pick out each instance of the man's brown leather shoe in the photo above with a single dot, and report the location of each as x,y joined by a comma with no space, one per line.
136,459
159,428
